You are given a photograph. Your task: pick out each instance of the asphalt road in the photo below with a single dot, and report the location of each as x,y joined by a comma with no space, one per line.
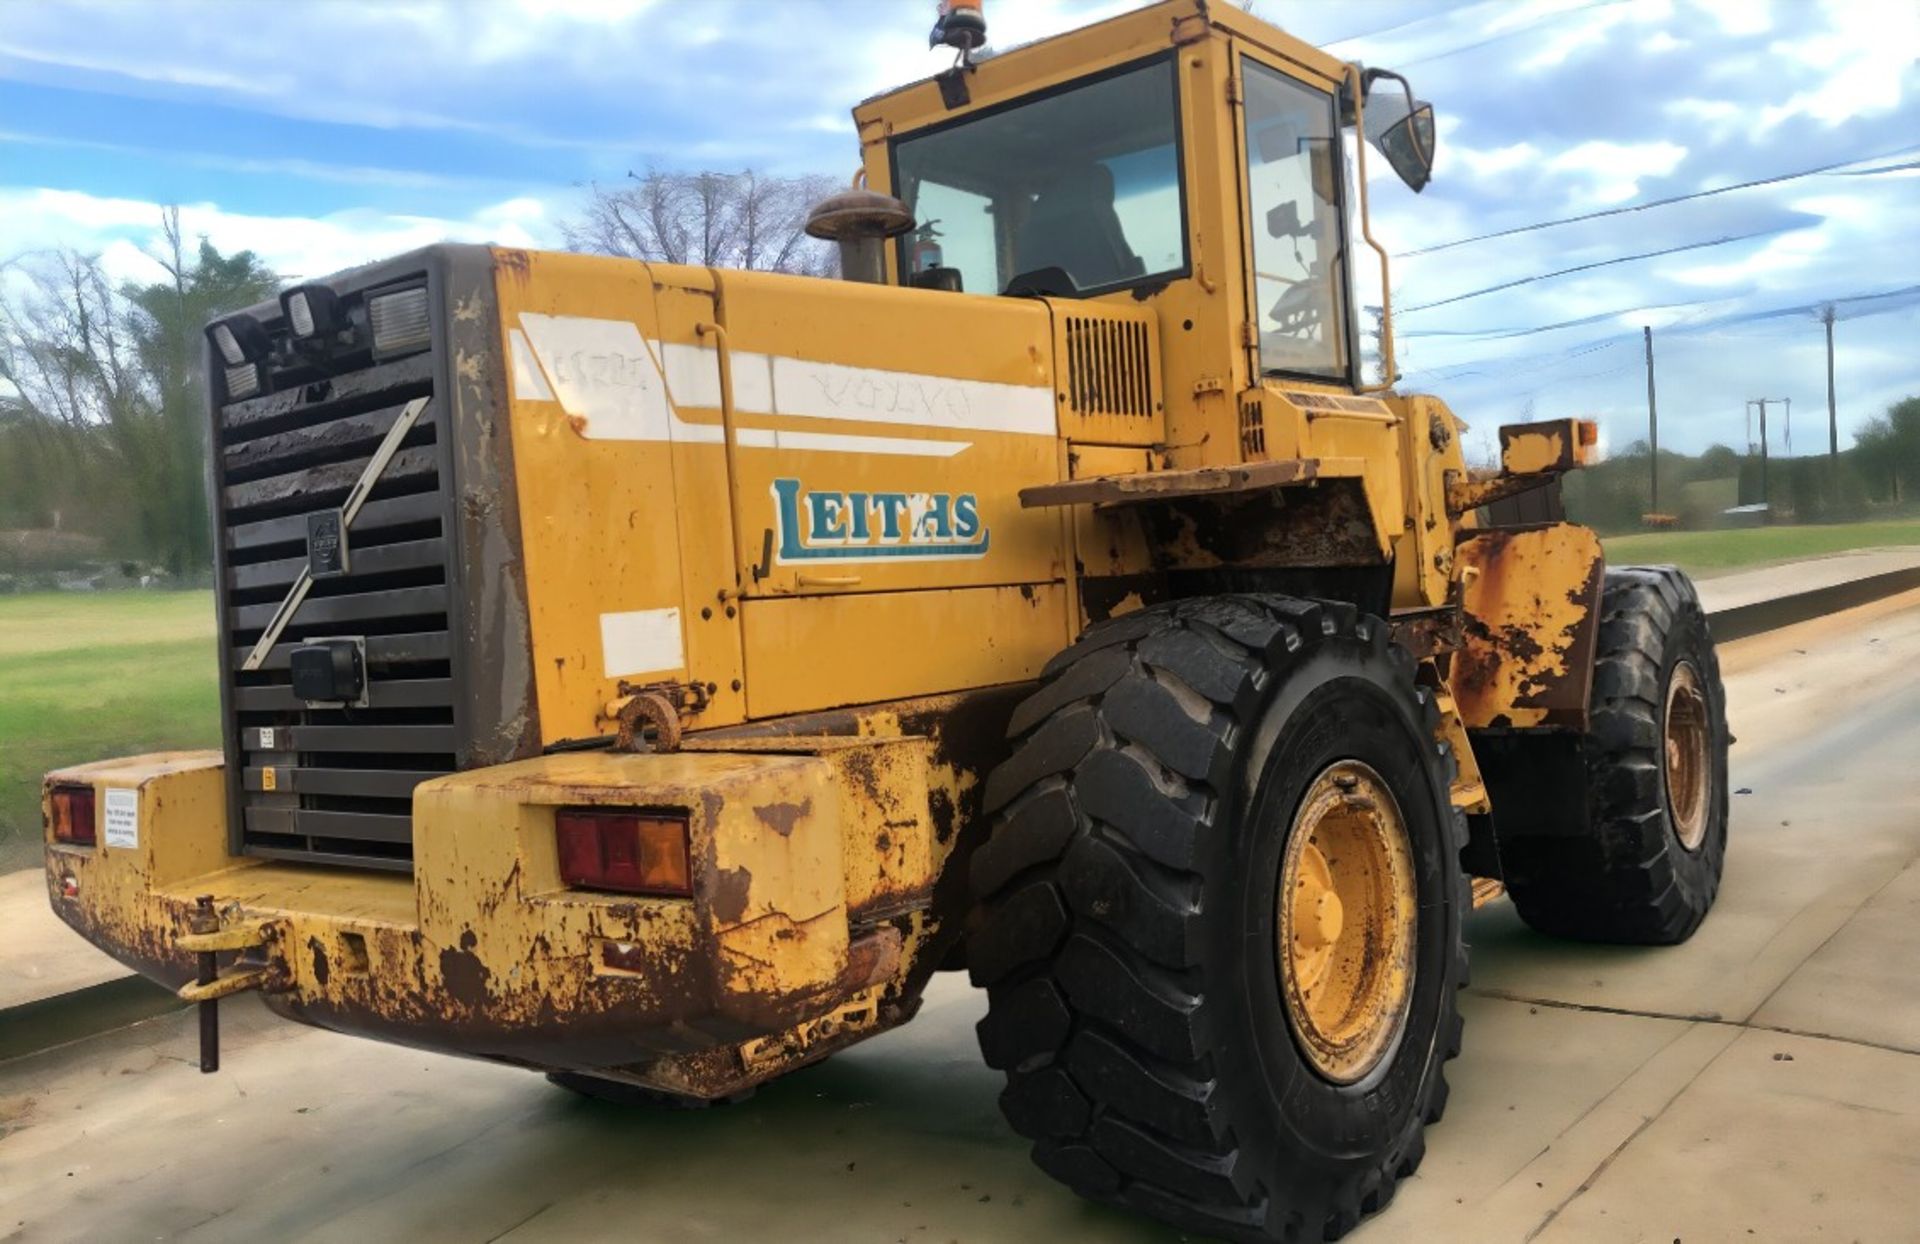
1761,1082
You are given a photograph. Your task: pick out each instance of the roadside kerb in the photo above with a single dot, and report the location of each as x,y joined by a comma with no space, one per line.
1758,617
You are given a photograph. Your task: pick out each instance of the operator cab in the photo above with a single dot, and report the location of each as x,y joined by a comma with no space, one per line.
1218,163
1073,193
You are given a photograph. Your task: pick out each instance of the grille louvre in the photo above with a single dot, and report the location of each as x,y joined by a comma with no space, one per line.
1109,368
1253,428
334,785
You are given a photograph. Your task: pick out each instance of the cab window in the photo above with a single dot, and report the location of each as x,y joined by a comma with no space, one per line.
1299,257
1076,190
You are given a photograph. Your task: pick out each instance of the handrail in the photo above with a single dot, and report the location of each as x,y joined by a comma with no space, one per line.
724,351
1389,367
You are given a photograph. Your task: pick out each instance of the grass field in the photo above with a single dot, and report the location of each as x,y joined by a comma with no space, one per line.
84,677
1702,553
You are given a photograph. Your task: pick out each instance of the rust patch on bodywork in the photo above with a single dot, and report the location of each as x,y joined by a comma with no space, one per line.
465,975
1551,447
729,893
1326,523
1428,632
1139,487
1530,602
829,856
780,817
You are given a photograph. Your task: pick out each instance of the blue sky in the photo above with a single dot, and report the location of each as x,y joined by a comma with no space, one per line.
323,135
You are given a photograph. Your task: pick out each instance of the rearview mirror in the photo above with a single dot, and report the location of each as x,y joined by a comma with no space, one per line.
1401,127
1284,221
1408,146
1278,141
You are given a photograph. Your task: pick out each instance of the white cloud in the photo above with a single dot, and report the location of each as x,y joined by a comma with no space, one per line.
1614,170
1489,162
1787,253
1866,54
1587,29
1739,17
123,230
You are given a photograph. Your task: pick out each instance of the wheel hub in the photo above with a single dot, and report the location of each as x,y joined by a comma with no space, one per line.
1346,928
1687,755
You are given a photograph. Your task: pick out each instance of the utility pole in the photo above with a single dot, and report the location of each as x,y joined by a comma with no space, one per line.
1763,402
1833,418
1653,433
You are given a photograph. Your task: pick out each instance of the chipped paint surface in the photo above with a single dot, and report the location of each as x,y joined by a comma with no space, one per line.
1555,445
814,922
1530,599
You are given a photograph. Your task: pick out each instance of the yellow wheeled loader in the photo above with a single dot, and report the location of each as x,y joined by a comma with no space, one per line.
651,675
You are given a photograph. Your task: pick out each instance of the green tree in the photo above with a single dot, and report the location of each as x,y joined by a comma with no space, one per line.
1888,451
1718,462
108,383
166,328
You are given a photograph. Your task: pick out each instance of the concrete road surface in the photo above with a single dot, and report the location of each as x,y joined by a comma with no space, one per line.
1761,1082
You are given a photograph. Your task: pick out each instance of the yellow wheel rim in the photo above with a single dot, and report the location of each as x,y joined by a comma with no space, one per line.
1686,756
1347,922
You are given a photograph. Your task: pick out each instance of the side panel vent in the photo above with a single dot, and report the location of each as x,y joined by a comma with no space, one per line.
1108,375
1107,368
1253,429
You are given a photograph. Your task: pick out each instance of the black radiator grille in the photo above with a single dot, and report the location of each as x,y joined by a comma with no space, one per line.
335,784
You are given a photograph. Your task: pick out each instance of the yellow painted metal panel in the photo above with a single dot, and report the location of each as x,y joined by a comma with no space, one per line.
893,430
601,512
1532,599
1108,540
807,652
1107,364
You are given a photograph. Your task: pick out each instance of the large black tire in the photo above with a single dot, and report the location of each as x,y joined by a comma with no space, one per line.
1626,875
1126,927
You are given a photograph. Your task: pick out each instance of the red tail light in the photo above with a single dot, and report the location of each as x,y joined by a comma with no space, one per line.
632,852
70,809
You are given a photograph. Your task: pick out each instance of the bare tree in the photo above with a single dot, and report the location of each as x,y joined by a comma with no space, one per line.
100,392
722,220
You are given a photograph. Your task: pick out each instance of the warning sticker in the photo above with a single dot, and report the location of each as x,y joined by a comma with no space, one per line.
123,817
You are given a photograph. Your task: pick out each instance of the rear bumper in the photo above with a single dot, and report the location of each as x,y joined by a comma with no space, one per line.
791,944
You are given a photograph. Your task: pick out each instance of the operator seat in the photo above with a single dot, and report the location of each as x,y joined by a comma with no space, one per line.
1072,225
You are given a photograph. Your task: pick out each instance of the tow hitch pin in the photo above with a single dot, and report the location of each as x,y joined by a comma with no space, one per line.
206,920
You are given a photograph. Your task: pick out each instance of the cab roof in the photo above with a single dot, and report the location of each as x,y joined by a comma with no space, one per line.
1034,66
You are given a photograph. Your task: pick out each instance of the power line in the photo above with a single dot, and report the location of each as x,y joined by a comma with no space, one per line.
1519,364
1412,21
1910,293
1588,267
1669,201
1424,18
1475,46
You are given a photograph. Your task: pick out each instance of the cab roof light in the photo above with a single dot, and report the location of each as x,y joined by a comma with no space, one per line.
400,321
312,311
242,381
239,339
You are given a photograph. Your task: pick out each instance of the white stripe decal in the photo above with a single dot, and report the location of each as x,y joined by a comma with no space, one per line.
529,384
646,641
622,386
835,391
601,372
